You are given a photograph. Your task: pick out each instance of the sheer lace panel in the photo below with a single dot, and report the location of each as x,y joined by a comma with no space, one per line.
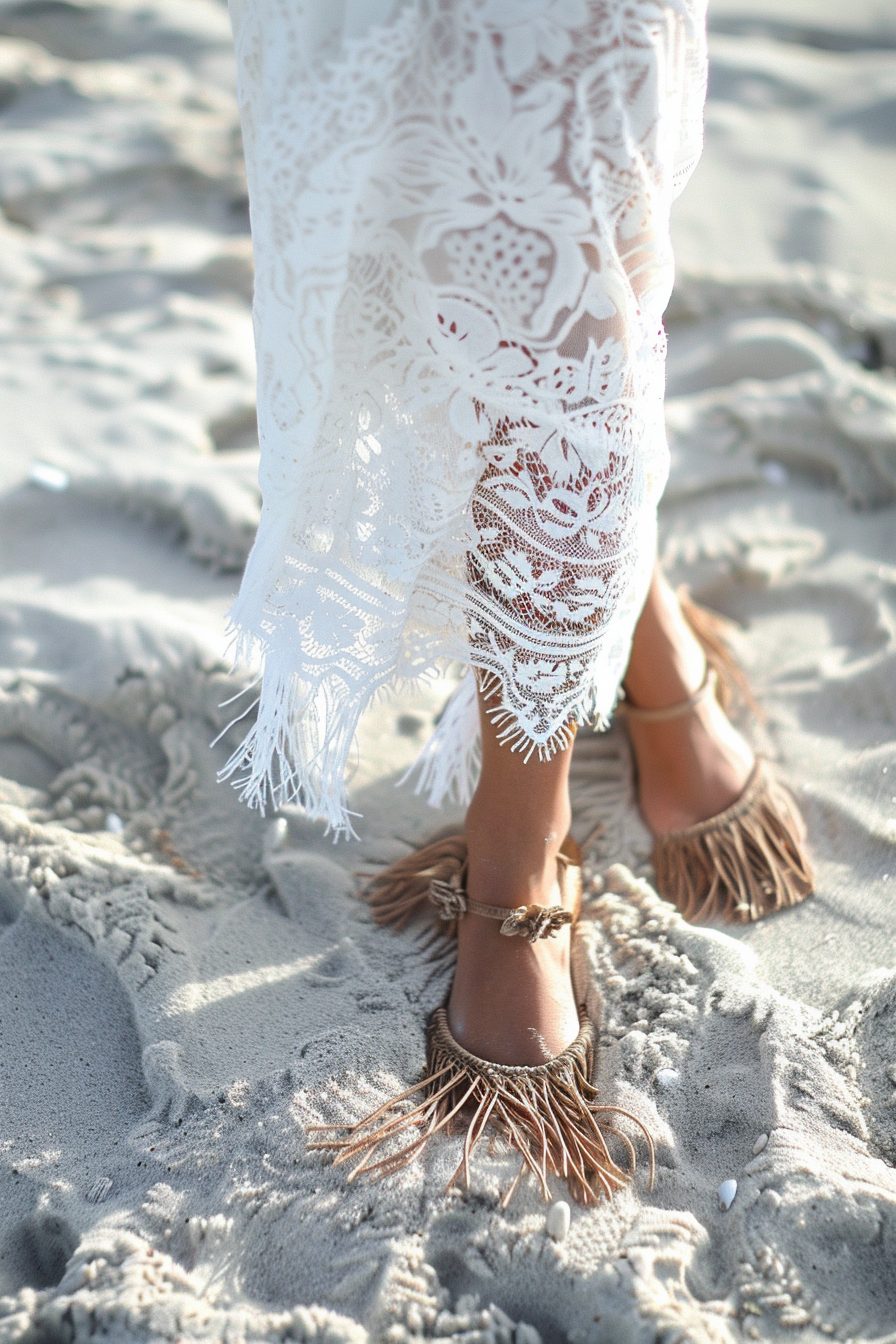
460,214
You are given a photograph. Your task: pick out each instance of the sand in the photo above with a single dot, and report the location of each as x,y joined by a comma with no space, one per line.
186,986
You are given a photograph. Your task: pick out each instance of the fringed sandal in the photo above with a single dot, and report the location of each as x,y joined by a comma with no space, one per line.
751,859
549,1112
746,862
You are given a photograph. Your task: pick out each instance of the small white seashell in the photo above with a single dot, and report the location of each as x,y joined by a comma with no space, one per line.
557,1220
526,1334
667,1078
275,835
775,473
114,823
99,1191
727,1191
48,477
759,1145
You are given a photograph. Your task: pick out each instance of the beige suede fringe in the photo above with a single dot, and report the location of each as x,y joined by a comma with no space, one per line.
747,862
548,1112
399,892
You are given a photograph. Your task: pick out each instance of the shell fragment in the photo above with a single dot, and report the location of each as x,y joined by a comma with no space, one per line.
47,476
557,1221
727,1192
276,835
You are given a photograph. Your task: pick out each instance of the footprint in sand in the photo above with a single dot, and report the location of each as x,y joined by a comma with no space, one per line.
71,1088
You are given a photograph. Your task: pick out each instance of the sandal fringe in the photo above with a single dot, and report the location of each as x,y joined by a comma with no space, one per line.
747,862
397,893
549,1112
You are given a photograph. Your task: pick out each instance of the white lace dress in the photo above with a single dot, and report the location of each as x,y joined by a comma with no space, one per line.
460,215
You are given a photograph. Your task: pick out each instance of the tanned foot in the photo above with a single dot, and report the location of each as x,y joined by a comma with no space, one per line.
689,768
512,1001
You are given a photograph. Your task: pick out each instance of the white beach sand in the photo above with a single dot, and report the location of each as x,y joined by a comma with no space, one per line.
180,997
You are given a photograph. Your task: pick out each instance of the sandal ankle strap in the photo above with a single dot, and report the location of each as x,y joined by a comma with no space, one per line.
526,921
706,688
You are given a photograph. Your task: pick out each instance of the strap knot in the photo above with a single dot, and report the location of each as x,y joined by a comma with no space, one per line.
536,921
449,898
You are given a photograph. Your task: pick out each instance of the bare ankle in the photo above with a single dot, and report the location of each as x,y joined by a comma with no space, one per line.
517,821
517,828
524,836
667,662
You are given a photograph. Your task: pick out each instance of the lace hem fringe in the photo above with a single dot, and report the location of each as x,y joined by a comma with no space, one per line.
298,750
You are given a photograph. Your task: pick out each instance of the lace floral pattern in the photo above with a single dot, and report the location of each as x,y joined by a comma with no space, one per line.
460,215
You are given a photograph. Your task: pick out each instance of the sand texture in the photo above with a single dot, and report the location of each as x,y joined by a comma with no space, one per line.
185,986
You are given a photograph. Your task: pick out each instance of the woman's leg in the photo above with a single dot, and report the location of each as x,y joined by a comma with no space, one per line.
512,1001
689,768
